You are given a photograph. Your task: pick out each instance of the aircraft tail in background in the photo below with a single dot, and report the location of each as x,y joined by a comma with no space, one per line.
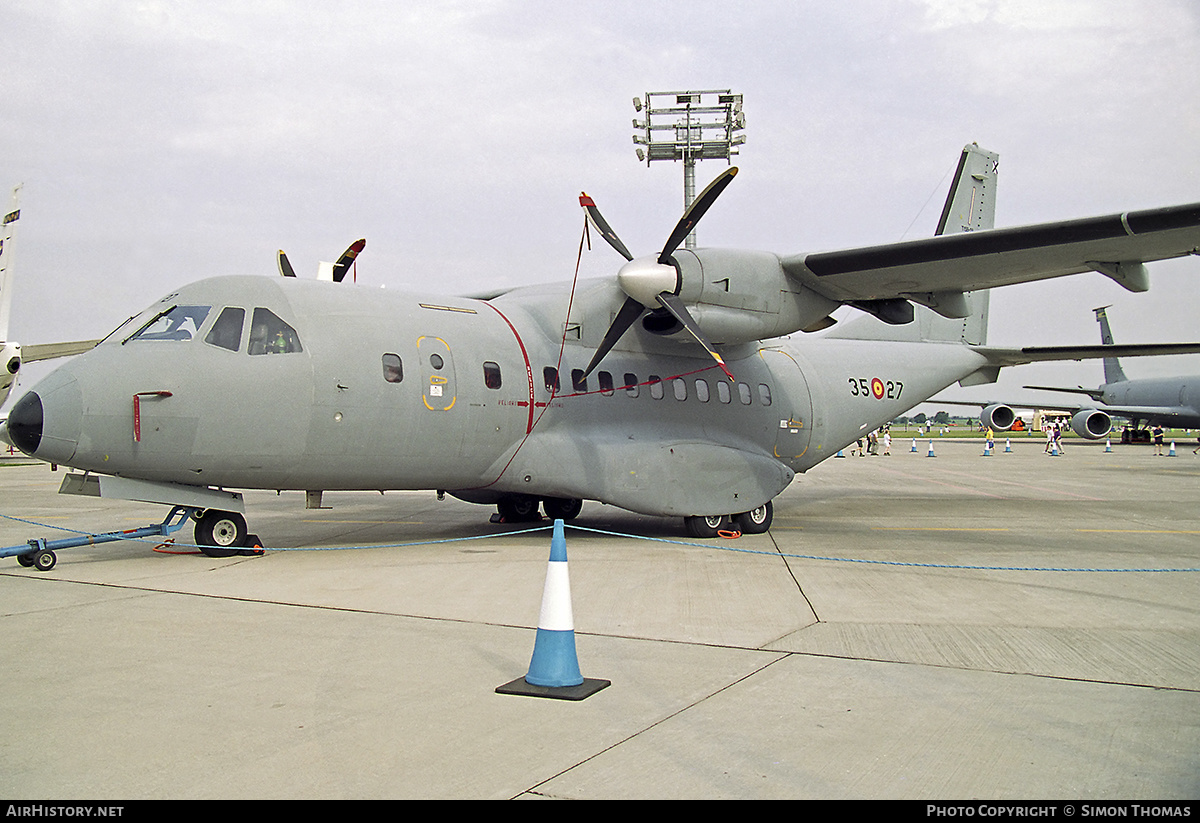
1112,366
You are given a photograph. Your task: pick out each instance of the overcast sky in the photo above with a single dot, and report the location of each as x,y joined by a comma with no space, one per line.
163,142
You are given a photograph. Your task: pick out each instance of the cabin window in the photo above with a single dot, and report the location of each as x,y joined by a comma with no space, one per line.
701,390
176,323
270,335
679,386
226,333
491,375
606,384
723,391
393,369
578,381
656,387
744,394
631,384
550,378
764,394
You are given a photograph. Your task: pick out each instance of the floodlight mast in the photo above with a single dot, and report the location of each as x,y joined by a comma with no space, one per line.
700,125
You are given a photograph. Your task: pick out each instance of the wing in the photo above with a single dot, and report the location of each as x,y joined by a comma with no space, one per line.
31,353
1116,245
1163,413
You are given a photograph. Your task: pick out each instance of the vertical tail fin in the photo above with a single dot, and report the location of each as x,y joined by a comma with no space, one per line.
970,206
1112,366
948,316
6,256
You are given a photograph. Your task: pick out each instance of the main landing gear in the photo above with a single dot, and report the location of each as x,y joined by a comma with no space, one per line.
755,521
524,508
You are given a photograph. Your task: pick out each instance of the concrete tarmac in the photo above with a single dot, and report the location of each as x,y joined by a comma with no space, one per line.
1015,626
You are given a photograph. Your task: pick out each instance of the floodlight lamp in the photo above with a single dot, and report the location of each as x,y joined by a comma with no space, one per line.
641,155
637,104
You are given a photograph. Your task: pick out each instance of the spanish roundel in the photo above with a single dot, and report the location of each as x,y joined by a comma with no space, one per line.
877,388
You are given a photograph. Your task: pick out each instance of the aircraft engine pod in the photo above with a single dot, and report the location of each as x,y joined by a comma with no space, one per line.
1091,423
998,417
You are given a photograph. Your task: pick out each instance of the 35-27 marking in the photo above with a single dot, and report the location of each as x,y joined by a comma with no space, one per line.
876,387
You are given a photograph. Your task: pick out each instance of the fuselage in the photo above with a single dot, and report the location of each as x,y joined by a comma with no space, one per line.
274,383
1170,401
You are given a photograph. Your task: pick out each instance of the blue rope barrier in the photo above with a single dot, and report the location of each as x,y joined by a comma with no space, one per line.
690,544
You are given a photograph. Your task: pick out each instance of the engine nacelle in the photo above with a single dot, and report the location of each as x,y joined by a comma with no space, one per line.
1091,423
744,296
10,364
998,417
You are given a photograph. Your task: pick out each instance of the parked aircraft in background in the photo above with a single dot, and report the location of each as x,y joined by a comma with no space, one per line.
667,389
1166,401
13,354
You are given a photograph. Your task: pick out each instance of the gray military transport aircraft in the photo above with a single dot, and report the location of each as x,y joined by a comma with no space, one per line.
668,389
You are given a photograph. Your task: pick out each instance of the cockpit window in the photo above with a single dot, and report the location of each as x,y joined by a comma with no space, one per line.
176,323
270,335
227,331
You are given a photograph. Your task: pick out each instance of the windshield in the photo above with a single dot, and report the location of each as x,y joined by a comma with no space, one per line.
176,323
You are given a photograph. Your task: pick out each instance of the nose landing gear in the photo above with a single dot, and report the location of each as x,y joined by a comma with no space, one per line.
224,534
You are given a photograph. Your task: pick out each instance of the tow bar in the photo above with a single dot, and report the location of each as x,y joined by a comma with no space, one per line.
39,552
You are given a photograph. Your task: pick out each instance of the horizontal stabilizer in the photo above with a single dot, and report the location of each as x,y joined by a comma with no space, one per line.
1039,354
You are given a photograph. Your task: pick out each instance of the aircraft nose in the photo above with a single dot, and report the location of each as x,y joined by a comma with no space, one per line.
24,426
45,423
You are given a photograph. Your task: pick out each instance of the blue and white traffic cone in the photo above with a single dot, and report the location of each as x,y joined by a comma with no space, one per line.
987,448
914,446
1053,449
840,453
1171,453
1108,446
554,668
554,662
1007,446
931,454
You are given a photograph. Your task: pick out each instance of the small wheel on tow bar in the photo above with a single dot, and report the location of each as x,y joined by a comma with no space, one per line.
755,521
562,508
221,534
26,560
44,560
706,525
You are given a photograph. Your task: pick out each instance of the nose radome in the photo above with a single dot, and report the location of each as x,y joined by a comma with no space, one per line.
25,423
46,422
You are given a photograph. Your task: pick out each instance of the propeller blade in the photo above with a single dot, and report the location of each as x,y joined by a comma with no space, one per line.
674,305
630,311
343,264
285,268
602,226
695,211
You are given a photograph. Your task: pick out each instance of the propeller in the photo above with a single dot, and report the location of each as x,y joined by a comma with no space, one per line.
343,264
339,268
650,282
285,268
